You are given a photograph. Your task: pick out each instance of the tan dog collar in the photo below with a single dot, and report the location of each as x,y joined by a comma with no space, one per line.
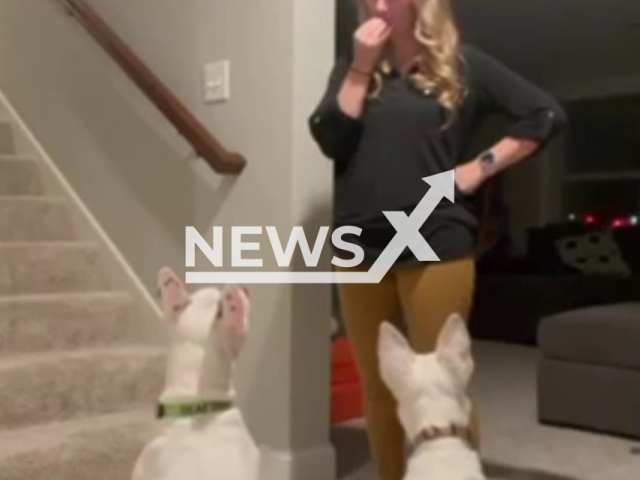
435,433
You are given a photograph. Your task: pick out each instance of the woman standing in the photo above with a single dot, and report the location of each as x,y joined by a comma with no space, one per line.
402,106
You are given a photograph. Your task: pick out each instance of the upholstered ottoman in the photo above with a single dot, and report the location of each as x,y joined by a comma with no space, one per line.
589,373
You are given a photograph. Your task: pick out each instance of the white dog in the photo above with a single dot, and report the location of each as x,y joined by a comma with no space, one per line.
205,436
433,405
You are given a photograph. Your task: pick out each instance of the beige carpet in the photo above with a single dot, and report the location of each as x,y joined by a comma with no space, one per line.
515,447
77,383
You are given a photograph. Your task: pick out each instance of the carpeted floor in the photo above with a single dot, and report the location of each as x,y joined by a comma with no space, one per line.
515,446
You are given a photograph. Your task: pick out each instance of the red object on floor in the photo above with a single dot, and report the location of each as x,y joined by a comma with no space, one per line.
346,385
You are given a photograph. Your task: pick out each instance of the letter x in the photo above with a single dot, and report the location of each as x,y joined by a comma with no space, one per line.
408,228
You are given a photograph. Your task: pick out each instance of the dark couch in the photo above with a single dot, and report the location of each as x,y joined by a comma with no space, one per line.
514,293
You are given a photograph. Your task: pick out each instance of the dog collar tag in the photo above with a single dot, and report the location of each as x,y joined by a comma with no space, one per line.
191,409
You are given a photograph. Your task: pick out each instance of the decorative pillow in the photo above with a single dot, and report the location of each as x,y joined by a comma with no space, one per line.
593,253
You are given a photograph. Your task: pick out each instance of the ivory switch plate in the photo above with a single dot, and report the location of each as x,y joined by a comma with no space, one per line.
216,82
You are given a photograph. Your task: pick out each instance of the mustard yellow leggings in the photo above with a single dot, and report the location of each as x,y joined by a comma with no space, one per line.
423,297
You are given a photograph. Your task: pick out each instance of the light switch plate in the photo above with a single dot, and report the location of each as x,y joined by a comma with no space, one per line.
216,82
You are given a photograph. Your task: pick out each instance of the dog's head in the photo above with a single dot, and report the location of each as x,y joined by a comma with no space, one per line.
433,384
208,317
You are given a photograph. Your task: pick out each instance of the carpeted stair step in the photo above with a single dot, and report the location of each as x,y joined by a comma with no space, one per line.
50,267
19,176
38,323
7,144
59,386
34,219
94,448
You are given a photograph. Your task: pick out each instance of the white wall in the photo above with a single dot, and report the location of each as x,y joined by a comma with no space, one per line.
136,175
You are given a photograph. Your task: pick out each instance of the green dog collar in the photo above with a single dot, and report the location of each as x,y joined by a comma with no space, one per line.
191,409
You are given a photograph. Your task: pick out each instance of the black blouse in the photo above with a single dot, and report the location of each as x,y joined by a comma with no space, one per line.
382,156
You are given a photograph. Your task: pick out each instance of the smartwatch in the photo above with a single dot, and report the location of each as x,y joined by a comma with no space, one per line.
489,160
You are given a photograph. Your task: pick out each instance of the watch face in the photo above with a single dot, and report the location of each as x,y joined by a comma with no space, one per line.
488,157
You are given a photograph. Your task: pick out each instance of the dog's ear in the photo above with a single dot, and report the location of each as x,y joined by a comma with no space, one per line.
394,355
453,349
234,318
173,294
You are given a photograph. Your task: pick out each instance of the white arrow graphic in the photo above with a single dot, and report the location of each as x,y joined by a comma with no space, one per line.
408,228
408,235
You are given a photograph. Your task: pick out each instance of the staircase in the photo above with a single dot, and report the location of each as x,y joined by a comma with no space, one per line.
77,385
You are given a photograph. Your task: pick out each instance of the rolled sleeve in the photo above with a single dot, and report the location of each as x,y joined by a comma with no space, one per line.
536,114
336,133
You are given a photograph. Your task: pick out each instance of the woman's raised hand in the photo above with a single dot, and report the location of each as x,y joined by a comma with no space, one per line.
368,45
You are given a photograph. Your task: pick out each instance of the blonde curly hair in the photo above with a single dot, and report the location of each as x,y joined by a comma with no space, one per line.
440,63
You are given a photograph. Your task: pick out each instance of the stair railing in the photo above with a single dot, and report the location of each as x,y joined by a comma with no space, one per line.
188,126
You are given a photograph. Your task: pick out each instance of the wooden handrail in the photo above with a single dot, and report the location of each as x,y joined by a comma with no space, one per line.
202,141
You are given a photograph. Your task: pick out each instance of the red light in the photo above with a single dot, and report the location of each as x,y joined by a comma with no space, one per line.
590,219
620,222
